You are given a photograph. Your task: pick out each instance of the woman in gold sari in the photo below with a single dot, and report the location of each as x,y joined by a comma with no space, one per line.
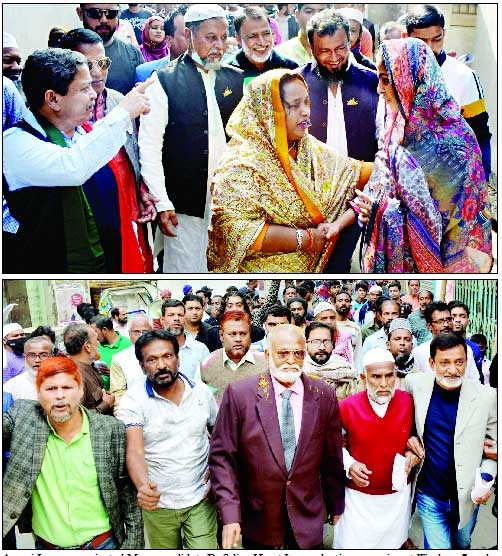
275,184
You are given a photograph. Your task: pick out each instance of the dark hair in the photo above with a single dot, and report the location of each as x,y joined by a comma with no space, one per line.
225,298
331,283
79,36
53,68
171,303
288,78
414,280
434,306
302,291
44,331
362,285
82,307
151,336
316,324
89,314
340,293
171,16
379,302
74,338
458,304
326,23
394,284
278,311
192,297
55,35
442,342
102,321
479,339
423,16
250,12
298,300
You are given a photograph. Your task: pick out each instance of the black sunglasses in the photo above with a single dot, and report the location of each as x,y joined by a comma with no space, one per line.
96,13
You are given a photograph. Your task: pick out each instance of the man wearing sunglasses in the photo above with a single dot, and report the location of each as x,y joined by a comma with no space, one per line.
103,19
275,453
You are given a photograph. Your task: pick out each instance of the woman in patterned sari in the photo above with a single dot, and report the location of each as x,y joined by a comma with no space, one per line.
276,183
431,211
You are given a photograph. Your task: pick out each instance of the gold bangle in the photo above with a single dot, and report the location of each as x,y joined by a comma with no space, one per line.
299,240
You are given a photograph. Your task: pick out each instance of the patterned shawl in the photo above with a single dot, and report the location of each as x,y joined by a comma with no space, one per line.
256,182
432,212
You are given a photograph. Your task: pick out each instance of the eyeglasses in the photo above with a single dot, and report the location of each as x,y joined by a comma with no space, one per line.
442,321
102,63
298,354
96,13
40,356
319,343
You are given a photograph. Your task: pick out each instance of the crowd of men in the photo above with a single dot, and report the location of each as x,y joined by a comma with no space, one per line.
212,55
235,420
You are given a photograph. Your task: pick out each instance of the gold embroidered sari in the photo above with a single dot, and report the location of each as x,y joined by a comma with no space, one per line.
257,183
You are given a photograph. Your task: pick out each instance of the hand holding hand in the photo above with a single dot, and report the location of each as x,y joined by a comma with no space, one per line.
331,230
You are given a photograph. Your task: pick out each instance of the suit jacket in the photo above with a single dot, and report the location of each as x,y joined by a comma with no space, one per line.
25,434
476,419
248,472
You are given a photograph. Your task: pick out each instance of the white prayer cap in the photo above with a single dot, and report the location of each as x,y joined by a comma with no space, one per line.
9,41
375,289
377,355
351,13
323,306
403,324
8,328
201,12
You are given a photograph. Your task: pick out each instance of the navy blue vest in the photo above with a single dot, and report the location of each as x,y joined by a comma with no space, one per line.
186,149
360,101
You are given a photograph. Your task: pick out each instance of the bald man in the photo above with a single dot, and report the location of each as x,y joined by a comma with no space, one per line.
275,453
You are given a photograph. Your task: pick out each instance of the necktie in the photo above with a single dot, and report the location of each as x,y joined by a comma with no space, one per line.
287,429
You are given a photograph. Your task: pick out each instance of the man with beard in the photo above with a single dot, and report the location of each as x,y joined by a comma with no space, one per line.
119,318
347,329
191,351
323,363
64,456
81,344
110,342
11,60
417,318
103,19
13,349
427,23
344,101
298,307
439,321
400,344
168,418
181,143
23,386
376,494
412,295
366,313
275,453
454,416
255,37
235,360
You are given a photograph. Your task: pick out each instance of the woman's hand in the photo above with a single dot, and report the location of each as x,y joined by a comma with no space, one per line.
147,210
364,203
319,240
331,230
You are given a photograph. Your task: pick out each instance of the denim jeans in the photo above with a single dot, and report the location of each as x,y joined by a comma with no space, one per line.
440,519
110,543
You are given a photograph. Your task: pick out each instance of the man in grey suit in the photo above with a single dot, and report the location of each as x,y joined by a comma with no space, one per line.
453,417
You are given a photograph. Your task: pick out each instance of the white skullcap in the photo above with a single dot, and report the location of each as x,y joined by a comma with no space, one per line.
9,41
403,324
8,328
377,355
323,306
375,289
351,13
201,12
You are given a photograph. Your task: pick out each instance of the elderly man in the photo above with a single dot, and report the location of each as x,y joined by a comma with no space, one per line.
400,344
235,360
412,295
22,386
64,456
183,137
417,318
45,195
255,37
104,19
454,416
124,368
276,453
168,418
378,492
13,349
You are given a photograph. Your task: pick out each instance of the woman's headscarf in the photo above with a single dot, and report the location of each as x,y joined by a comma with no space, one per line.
149,51
433,168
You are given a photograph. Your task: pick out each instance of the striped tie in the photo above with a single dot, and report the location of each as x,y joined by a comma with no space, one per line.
287,429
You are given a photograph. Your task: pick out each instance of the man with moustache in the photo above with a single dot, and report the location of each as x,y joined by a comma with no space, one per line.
347,329
103,19
400,345
64,456
182,140
299,310
275,455
344,99
13,349
168,418
375,494
255,37
454,416
417,319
